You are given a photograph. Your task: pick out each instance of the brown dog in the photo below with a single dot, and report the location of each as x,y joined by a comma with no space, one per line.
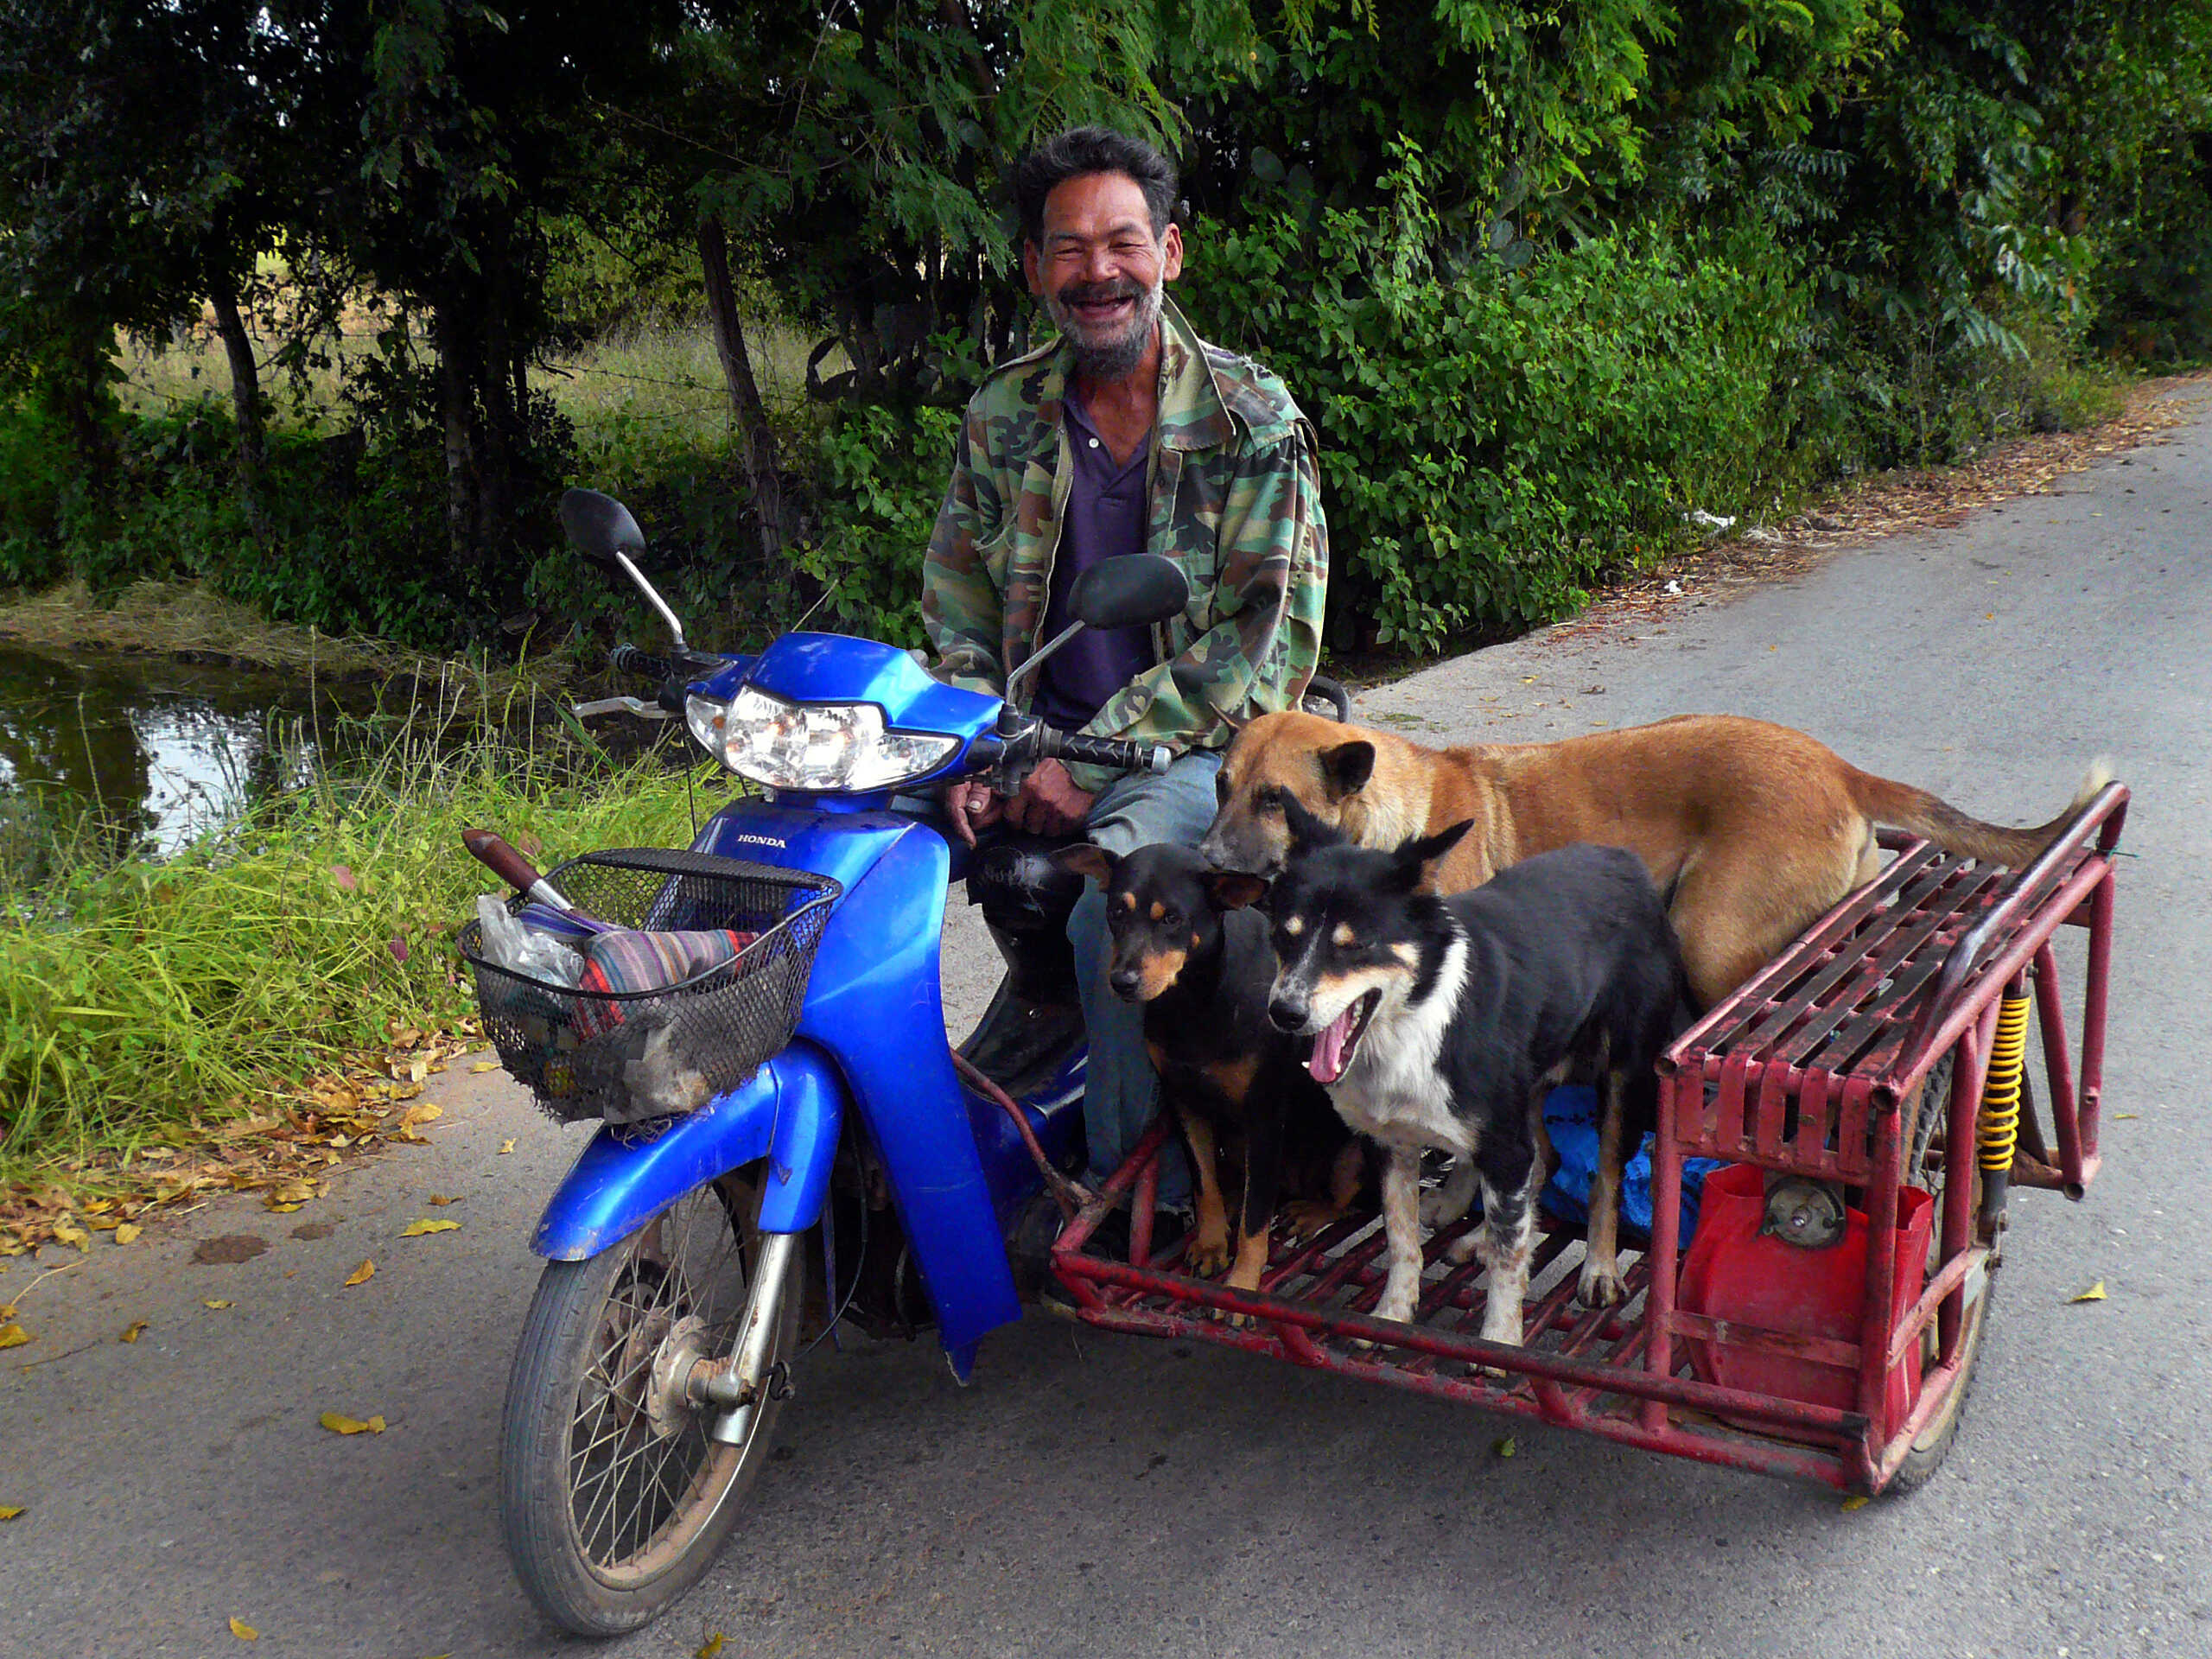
1751,829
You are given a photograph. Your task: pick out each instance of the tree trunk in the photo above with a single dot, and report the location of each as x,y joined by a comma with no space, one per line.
756,440
76,392
245,394
456,406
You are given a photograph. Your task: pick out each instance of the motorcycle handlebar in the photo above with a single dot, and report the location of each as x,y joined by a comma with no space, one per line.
1116,753
628,659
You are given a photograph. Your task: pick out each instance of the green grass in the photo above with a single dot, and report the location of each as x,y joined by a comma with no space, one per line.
136,998
664,374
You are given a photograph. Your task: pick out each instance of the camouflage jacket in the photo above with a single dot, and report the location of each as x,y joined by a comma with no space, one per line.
1235,499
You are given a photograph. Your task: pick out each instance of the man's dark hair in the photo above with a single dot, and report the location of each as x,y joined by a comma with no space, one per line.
1081,150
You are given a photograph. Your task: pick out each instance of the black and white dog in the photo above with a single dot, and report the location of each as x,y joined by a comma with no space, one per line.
1444,1022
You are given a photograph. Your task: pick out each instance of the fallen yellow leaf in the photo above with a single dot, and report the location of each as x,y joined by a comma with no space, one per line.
7,1312
205,1303
712,1646
9,1511
2123,1117
443,1198
1858,1503
133,1331
13,1335
243,1631
485,1065
339,1423
1505,1448
361,1276
283,1209
428,1112
416,1229
2095,1294
506,1147
65,1231
126,1232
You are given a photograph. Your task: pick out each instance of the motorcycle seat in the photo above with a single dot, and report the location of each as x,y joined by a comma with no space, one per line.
1019,887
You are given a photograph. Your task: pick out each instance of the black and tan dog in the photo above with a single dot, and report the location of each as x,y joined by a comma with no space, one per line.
1184,946
1752,830
1445,1021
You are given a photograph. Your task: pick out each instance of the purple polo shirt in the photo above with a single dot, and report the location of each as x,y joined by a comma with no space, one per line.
1105,518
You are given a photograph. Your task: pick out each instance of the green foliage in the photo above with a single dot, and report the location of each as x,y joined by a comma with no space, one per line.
1544,276
881,475
340,548
1499,438
135,995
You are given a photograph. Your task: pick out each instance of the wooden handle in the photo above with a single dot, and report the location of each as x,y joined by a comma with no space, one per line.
493,852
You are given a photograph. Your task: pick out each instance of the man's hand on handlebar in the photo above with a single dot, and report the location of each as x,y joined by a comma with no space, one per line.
1050,803
972,804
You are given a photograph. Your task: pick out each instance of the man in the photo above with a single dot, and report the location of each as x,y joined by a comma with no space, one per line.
1127,433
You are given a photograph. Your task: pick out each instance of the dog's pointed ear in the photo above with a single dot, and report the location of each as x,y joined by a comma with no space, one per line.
1417,858
1306,831
1346,768
1084,859
1233,889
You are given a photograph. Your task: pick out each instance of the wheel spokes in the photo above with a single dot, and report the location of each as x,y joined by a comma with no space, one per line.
631,1485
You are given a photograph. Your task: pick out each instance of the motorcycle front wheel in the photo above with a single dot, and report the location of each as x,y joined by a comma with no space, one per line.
613,1499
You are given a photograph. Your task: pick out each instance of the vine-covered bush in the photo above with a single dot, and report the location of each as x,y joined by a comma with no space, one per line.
1497,437
881,475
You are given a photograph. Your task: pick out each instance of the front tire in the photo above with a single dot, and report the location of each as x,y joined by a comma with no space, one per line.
612,1499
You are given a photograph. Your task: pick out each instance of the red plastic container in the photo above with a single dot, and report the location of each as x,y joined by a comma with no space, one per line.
1734,1275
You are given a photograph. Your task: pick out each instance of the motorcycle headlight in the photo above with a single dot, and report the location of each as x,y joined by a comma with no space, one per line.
811,746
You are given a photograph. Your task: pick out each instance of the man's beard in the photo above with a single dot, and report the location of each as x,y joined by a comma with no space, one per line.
1117,355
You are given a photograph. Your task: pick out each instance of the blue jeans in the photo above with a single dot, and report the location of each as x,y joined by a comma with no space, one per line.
1120,1093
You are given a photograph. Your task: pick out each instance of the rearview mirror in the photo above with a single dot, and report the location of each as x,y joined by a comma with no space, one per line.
601,529
1132,590
599,526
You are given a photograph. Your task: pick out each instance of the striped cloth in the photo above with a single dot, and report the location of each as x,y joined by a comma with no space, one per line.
627,960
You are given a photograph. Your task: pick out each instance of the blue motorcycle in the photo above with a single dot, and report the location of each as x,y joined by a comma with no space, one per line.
773,1082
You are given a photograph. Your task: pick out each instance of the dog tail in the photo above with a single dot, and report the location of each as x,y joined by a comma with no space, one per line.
1903,807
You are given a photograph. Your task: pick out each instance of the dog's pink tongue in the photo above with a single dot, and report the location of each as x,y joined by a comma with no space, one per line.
1326,1063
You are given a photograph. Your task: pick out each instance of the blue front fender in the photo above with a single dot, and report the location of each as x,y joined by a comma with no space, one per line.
790,1114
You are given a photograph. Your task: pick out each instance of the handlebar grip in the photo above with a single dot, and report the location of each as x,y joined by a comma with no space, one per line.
493,852
1116,753
628,659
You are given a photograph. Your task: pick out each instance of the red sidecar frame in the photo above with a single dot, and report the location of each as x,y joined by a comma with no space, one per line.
1804,1070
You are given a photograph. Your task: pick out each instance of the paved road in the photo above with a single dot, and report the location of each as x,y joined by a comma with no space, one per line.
1100,1495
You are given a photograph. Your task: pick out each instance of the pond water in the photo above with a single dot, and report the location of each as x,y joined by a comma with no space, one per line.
158,751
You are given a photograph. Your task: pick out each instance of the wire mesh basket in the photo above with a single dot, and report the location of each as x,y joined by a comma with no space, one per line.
627,1055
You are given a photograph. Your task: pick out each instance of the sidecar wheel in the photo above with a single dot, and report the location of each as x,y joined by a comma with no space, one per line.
612,1499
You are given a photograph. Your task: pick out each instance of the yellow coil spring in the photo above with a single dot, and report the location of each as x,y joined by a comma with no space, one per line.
1998,1125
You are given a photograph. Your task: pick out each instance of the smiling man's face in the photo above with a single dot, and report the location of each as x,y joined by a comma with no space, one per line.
1100,270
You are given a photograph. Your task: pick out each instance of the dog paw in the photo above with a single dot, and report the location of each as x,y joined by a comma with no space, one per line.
1209,1257
1308,1218
1399,1310
1600,1287
1462,1248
